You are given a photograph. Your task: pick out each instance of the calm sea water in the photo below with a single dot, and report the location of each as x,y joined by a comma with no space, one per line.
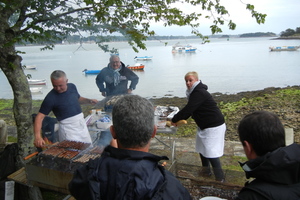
225,66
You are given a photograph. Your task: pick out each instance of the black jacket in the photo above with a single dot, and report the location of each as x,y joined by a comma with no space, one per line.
106,76
277,175
128,175
203,109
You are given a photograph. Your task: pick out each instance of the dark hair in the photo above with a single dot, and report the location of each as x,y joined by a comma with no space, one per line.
263,130
58,74
133,120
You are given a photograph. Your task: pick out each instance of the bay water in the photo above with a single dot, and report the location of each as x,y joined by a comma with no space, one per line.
226,66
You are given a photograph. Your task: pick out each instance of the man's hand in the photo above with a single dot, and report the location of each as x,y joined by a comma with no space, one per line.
39,142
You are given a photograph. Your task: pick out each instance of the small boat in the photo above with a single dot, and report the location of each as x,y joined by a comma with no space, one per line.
177,48
94,71
284,48
189,48
137,66
35,89
37,81
30,67
143,58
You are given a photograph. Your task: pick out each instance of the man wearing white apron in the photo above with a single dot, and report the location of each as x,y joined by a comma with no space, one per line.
64,101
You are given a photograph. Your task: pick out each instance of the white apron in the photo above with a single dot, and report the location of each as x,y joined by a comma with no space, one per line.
210,141
74,129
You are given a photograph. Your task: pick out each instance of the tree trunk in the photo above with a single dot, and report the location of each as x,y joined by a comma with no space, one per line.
22,106
10,63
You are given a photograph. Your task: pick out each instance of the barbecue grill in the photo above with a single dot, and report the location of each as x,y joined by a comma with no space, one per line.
53,168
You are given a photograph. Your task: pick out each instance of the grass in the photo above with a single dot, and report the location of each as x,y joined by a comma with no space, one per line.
12,139
232,162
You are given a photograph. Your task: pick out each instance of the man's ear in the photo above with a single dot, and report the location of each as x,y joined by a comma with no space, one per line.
112,131
249,151
154,131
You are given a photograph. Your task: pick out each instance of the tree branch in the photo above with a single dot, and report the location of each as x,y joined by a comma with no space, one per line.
34,22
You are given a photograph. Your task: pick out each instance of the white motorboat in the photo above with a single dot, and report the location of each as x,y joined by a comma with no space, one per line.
37,81
36,89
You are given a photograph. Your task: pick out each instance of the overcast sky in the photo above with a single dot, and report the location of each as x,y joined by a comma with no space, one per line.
281,15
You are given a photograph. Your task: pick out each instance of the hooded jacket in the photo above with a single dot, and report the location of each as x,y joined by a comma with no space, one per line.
128,175
202,107
106,76
277,175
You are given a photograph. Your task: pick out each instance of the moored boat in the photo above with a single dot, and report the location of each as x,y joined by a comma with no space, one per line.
94,71
35,89
177,48
37,81
30,67
189,48
284,48
137,66
143,58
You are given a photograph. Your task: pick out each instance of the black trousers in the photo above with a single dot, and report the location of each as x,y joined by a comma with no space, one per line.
216,165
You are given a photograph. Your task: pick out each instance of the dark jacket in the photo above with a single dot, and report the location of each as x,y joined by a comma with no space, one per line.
203,109
106,76
128,175
277,175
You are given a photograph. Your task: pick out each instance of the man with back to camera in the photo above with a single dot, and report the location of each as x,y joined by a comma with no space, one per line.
64,100
116,76
129,171
275,167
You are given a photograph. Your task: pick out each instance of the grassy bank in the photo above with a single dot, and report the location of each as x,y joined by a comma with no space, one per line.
285,102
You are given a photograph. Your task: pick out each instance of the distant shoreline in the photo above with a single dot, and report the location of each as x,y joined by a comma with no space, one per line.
287,38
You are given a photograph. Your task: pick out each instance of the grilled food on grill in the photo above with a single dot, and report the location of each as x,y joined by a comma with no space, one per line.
86,157
53,151
68,154
73,145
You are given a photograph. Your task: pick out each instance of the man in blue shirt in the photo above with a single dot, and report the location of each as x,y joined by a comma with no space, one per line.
64,100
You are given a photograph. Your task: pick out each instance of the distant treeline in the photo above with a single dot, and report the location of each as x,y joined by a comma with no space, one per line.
92,39
258,34
77,38
290,32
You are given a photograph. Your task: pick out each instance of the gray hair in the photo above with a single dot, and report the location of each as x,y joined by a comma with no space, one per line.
112,57
133,121
58,74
